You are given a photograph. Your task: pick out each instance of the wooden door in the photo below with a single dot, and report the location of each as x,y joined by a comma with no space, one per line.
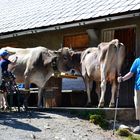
127,36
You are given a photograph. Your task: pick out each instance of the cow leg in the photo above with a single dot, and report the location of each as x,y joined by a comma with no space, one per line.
113,92
89,85
103,85
42,88
27,92
40,92
103,89
98,90
39,97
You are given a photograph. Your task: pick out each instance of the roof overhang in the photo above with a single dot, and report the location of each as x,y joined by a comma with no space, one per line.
68,25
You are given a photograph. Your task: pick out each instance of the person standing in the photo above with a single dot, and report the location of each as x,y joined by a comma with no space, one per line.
134,71
6,71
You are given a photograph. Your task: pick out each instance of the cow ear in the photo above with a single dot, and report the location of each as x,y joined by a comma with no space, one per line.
47,58
48,61
55,52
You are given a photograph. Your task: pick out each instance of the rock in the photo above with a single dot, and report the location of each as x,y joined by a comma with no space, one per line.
73,131
33,136
47,126
86,135
111,123
56,137
122,126
89,130
136,130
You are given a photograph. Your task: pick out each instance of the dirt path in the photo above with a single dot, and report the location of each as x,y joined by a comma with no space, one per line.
49,126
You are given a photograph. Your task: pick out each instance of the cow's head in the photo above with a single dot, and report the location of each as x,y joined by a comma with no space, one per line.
61,60
64,60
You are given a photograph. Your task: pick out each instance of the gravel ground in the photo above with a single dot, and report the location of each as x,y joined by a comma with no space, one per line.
49,126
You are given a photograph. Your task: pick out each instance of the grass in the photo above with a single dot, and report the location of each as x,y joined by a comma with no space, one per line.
127,135
99,120
97,117
133,137
123,132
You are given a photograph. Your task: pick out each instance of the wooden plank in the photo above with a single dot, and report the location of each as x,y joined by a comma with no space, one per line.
69,76
78,41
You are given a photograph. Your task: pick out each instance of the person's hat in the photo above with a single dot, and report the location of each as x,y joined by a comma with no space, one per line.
4,53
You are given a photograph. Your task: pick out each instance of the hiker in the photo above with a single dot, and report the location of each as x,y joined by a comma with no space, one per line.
134,70
6,71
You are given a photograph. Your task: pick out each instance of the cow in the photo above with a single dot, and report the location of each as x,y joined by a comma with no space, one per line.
36,65
102,64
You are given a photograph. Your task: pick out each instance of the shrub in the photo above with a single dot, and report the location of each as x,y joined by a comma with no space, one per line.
127,134
98,119
124,132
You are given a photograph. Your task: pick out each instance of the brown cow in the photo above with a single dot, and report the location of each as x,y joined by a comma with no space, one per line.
102,64
36,65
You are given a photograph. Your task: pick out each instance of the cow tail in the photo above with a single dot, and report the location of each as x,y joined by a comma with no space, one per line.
120,57
102,55
108,56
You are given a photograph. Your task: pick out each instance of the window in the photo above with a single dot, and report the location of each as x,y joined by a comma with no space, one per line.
77,42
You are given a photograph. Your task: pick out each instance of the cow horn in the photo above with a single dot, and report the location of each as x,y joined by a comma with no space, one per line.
10,52
71,48
115,42
61,45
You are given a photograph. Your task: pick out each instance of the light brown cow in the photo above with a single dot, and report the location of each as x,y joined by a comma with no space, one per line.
102,64
36,65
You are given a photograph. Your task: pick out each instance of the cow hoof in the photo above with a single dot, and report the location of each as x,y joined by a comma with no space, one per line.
111,105
3,108
101,105
22,109
88,105
40,106
6,108
25,108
